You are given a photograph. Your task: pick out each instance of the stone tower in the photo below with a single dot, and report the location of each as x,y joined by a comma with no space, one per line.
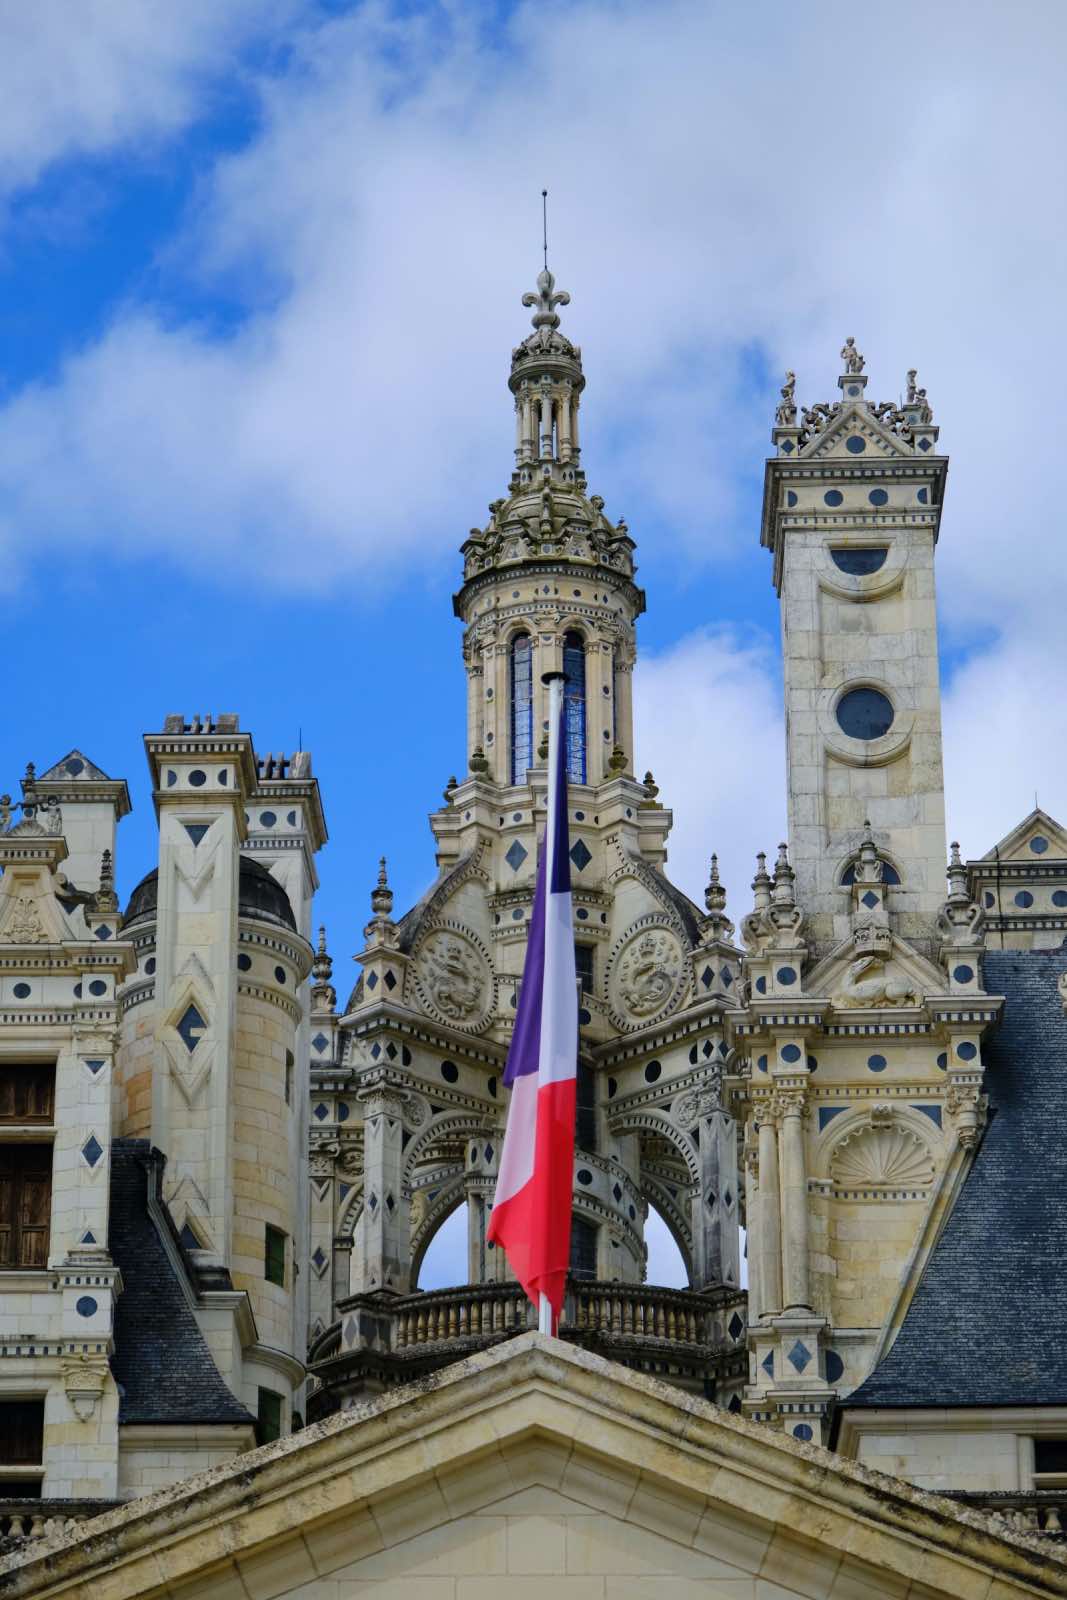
214,1031
851,511
407,1111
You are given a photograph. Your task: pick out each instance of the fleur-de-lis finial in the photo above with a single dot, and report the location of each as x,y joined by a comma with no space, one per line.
546,300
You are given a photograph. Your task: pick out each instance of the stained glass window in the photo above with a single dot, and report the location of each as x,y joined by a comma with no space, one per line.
574,702
521,707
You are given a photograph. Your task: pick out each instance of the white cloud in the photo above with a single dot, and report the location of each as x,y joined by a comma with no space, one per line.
1005,731
86,78
708,722
719,196
728,190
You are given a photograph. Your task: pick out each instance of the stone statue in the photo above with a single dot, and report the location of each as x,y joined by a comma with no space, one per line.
851,357
786,414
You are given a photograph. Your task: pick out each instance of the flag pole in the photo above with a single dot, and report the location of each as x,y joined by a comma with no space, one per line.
554,682
544,1316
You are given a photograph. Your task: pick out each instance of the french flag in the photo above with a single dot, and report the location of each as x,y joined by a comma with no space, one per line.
532,1210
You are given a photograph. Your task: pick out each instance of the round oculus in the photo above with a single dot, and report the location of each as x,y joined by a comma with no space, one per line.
865,714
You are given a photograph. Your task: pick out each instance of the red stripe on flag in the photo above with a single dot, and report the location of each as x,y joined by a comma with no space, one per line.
534,1225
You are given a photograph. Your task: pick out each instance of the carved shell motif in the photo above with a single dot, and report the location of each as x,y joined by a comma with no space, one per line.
882,1158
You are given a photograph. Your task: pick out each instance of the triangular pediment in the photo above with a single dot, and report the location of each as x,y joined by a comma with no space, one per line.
1037,838
531,1468
854,422
851,977
30,914
75,767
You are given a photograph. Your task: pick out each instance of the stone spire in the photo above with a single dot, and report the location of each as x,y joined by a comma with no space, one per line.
323,993
550,567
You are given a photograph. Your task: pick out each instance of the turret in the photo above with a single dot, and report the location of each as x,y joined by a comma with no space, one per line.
548,583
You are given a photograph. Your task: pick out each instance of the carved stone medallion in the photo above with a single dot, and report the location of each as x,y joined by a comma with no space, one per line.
454,979
646,975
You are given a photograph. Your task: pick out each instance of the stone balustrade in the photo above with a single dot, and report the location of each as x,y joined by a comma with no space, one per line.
476,1311
1041,1511
692,1338
37,1519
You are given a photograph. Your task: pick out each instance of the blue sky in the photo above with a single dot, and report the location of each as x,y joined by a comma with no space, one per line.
260,271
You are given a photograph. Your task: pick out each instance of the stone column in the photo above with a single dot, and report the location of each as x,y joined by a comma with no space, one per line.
796,1291
565,425
715,1240
485,1263
527,426
386,1210
475,704
624,710
322,1227
546,424
770,1233
753,1197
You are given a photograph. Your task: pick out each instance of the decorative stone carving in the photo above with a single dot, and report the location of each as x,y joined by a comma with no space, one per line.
84,1377
25,926
452,977
322,1158
647,973
350,1161
875,1156
870,981
690,1108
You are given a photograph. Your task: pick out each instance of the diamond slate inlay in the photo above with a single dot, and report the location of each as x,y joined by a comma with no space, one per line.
581,854
516,855
320,1041
768,1363
92,1150
800,1356
870,899
320,1112
189,1028
735,1326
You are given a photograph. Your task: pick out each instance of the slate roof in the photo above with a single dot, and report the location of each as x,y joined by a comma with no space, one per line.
162,1364
986,1324
259,894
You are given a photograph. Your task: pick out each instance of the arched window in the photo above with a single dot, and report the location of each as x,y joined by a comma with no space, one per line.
521,706
574,702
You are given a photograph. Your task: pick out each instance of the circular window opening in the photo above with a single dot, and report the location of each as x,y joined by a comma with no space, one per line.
860,562
864,714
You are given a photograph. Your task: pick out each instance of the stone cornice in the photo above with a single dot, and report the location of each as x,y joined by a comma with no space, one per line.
545,1401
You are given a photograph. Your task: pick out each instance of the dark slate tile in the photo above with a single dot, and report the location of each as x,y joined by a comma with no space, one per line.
986,1324
162,1364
